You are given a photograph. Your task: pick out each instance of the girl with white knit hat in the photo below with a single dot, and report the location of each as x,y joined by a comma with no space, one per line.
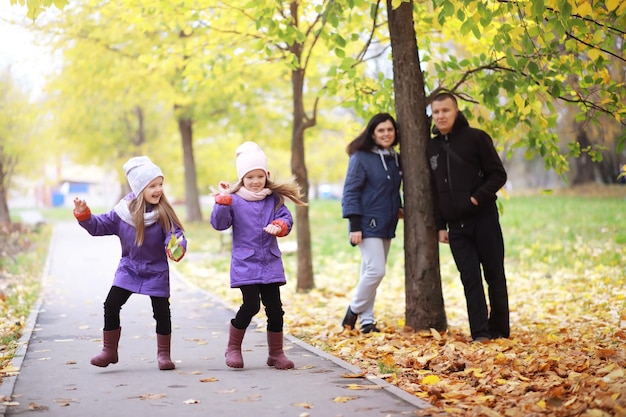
150,232
254,208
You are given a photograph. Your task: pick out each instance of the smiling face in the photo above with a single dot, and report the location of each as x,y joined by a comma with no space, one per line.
254,180
153,191
444,114
384,134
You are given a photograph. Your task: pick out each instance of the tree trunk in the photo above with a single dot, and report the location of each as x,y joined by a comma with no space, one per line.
192,199
6,168
5,215
585,170
424,298
305,280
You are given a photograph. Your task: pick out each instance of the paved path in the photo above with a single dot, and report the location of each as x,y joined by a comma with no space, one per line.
56,379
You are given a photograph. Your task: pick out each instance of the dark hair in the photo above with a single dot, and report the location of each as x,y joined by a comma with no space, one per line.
444,96
365,141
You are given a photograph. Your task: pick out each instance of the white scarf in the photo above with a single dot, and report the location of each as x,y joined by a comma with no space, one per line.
122,210
248,195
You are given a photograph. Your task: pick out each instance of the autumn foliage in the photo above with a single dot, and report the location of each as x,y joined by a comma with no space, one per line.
567,352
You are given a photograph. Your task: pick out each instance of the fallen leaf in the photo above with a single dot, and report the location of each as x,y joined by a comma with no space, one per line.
303,405
430,380
344,399
435,334
363,387
361,375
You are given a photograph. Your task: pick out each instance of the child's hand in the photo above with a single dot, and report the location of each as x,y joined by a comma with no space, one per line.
79,205
81,210
272,229
223,186
277,228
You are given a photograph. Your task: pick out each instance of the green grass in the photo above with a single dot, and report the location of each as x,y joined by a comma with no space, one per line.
21,265
567,246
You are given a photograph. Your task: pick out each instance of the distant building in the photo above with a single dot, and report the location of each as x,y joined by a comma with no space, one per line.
61,184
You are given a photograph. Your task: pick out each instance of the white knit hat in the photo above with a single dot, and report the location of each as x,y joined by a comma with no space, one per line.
250,157
140,171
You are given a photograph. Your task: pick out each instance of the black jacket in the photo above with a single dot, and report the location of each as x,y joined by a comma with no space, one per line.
480,173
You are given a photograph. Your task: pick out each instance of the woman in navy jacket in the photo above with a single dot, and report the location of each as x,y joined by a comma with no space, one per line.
372,204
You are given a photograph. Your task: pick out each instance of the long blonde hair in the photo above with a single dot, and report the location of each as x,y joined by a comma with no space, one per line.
290,190
165,213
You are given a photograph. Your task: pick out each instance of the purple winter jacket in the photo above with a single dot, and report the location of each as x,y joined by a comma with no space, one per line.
142,269
256,258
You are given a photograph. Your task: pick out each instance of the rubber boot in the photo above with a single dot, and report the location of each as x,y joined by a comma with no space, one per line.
110,340
233,351
277,357
163,352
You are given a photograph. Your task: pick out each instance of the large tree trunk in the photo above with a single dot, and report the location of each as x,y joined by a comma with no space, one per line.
301,122
192,200
424,298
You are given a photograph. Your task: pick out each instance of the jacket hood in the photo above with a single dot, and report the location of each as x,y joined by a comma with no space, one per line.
459,123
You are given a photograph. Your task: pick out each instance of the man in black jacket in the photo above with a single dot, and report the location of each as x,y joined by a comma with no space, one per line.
467,172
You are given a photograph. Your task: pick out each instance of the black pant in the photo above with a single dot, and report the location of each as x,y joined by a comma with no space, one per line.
117,298
474,244
269,294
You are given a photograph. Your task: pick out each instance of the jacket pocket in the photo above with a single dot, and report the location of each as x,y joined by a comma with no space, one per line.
465,205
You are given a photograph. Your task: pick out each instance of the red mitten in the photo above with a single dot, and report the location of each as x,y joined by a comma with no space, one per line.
283,227
224,199
83,215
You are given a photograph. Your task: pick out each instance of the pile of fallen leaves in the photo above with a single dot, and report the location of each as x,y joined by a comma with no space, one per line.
566,355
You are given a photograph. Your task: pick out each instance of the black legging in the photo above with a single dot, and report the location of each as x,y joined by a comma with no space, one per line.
269,294
117,298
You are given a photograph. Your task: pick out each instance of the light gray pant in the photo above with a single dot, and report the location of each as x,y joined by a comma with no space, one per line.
374,258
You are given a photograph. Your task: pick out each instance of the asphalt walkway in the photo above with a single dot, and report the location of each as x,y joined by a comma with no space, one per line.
56,379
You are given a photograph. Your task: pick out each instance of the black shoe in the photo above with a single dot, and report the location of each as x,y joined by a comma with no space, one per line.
349,320
369,328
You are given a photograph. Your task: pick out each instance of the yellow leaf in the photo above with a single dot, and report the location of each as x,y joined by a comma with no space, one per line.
361,375
594,54
344,399
359,387
303,405
541,404
612,4
585,9
430,380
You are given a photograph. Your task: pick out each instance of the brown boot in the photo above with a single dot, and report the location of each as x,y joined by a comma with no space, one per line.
163,352
276,356
110,340
233,351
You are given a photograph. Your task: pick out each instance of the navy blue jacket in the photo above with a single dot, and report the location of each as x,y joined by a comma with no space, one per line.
481,174
371,191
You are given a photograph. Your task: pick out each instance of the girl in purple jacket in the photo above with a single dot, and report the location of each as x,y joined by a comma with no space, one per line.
145,223
254,208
